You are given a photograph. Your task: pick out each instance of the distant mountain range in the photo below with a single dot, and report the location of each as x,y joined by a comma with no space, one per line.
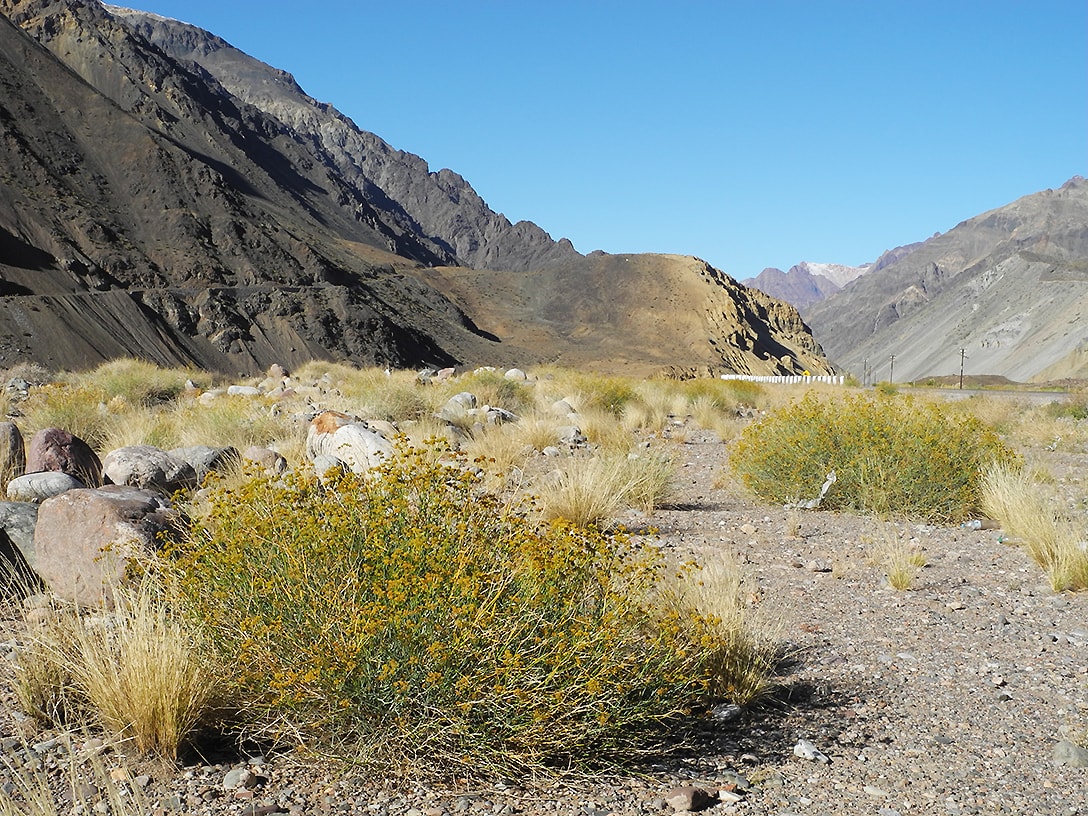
807,283
1008,288
164,195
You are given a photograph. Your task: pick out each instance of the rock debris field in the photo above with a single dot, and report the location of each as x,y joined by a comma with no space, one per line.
965,694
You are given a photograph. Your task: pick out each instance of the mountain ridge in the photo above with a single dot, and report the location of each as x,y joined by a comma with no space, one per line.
145,210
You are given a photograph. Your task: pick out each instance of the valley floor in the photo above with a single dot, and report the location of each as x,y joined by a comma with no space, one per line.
945,698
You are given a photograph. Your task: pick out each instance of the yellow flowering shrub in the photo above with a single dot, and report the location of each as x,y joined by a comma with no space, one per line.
890,455
416,614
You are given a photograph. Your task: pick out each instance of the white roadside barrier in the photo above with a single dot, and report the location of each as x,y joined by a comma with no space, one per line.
792,379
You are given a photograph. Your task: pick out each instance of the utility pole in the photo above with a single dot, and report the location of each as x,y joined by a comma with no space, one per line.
865,372
963,356
891,371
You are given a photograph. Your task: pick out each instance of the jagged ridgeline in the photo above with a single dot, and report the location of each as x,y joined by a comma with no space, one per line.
164,195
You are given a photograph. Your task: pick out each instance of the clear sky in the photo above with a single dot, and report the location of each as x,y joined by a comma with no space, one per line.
750,133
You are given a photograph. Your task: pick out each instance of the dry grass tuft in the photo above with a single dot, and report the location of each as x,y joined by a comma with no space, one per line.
139,671
1027,513
593,490
897,555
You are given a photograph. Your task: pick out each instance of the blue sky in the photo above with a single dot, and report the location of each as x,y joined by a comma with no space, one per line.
750,133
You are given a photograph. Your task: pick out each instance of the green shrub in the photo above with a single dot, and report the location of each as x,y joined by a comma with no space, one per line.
891,455
417,616
1075,406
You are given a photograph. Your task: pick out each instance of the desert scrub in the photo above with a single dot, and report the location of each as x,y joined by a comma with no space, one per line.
891,456
412,615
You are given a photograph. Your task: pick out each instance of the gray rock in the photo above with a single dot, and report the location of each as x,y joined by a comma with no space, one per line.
12,450
266,459
204,459
465,399
1069,753
86,538
806,750
239,779
17,519
17,576
37,487
500,416
55,449
354,443
243,391
571,435
516,374
327,467
148,468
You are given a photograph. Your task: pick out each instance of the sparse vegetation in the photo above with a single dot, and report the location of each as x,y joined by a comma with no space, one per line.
139,671
473,604
899,557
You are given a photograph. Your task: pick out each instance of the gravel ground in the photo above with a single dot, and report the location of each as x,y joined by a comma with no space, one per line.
947,698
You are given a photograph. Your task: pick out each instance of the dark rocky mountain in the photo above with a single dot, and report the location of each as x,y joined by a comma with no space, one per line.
148,210
439,205
1008,287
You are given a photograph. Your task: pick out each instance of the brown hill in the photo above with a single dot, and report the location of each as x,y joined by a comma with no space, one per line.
645,313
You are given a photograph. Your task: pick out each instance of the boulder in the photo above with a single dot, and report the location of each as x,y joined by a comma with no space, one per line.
148,468
55,449
12,450
37,487
352,441
86,538
243,391
17,519
516,374
205,459
16,575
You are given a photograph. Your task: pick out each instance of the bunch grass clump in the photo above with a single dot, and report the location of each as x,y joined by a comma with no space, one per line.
592,490
1028,514
139,671
897,556
413,614
140,382
892,456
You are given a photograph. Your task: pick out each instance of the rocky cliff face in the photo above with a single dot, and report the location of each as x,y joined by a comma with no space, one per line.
1009,288
439,206
154,203
170,220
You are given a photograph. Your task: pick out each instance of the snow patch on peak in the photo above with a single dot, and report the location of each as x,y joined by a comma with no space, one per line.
839,274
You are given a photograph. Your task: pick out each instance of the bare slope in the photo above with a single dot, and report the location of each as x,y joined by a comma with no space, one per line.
1009,287
642,313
